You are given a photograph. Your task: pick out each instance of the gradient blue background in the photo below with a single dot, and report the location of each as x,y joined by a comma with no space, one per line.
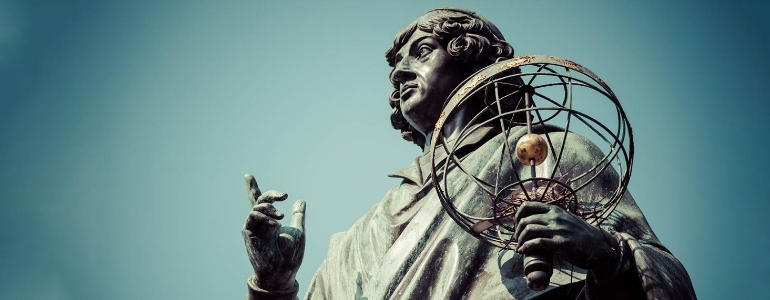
126,128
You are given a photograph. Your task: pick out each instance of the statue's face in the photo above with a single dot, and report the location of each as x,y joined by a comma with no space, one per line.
425,74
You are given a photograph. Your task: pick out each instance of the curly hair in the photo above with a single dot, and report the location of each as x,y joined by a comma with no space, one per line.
467,37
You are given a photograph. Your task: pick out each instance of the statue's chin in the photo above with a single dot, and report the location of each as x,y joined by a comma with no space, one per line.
419,120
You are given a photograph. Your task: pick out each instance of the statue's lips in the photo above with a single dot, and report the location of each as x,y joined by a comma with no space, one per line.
407,88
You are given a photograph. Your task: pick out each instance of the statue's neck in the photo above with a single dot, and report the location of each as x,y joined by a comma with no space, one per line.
455,123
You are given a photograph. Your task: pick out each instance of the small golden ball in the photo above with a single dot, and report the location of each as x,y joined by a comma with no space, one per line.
531,147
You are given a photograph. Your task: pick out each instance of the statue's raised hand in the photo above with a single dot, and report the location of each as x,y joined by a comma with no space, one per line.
275,251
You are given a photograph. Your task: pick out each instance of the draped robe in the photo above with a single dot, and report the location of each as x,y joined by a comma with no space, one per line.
407,247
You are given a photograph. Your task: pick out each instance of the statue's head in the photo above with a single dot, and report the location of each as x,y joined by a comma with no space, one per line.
433,55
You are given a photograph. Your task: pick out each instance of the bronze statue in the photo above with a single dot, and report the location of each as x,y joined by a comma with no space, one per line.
406,247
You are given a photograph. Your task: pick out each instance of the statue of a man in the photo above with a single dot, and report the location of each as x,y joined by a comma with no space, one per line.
406,247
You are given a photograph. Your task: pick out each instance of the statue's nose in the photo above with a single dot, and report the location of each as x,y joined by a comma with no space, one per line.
402,72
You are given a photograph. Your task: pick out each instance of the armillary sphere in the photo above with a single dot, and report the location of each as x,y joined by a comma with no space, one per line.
535,107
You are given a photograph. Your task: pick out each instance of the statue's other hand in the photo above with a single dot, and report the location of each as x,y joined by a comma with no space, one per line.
275,251
545,227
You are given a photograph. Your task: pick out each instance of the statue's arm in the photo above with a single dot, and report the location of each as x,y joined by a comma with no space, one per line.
645,269
275,251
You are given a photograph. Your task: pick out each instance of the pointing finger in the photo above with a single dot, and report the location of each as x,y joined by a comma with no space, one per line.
298,215
271,196
252,189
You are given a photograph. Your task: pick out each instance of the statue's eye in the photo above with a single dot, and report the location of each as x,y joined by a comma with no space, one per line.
423,51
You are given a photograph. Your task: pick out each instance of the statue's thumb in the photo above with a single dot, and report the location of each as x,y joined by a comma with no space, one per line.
298,215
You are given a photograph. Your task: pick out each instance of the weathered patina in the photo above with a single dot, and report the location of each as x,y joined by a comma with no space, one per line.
406,247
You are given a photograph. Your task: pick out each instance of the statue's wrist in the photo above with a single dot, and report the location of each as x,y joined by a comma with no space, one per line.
272,285
259,290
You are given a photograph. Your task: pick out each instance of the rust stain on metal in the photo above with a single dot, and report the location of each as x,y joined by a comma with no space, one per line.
471,84
440,122
571,64
517,62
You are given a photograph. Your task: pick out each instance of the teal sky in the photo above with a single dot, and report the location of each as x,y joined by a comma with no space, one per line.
126,128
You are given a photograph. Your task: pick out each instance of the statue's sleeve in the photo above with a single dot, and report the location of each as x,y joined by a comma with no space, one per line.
318,289
647,270
256,293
